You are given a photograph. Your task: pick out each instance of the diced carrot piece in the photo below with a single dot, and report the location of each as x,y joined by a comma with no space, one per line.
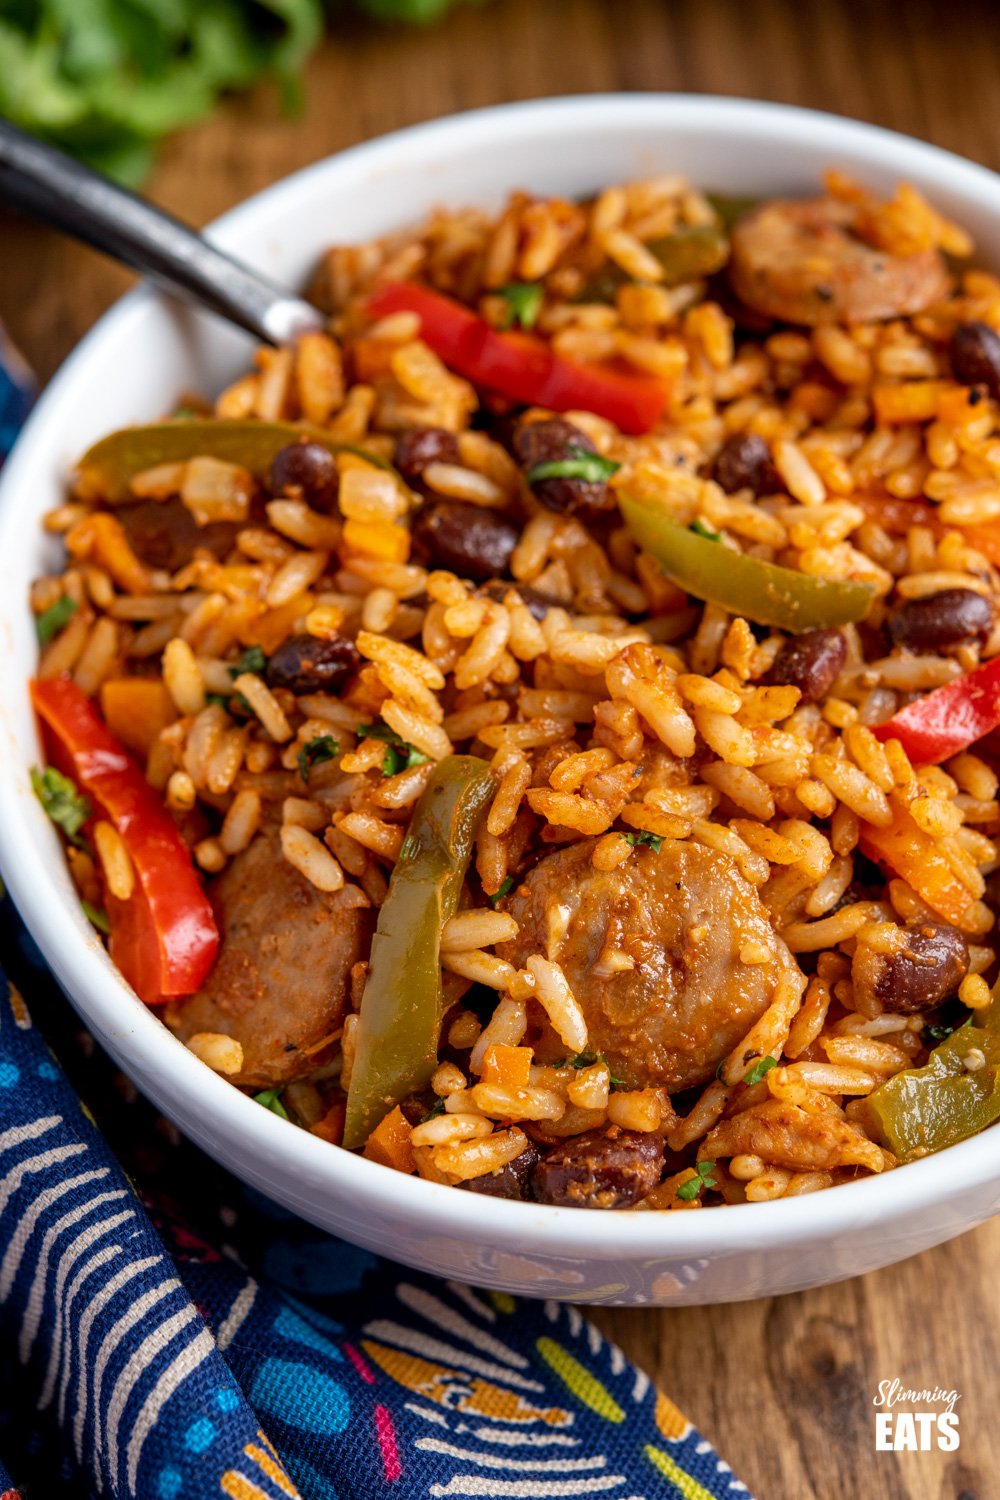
389,1143
985,538
101,536
136,709
911,401
330,1127
381,539
914,855
897,515
508,1066
272,626
372,358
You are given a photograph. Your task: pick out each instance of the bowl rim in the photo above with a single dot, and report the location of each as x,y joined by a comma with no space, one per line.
102,997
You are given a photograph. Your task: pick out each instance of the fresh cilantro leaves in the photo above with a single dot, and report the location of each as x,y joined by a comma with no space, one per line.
703,1178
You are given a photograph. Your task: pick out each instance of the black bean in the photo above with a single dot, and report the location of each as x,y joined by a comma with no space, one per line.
975,356
512,1181
598,1170
309,664
165,534
307,471
537,603
810,662
744,463
948,618
465,539
552,441
928,970
425,445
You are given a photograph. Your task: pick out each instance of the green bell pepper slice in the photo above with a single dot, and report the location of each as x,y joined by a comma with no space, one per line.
686,255
759,591
111,464
401,1010
922,1110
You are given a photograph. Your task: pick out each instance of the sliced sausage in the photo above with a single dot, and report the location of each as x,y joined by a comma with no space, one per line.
282,978
679,918
799,262
600,1169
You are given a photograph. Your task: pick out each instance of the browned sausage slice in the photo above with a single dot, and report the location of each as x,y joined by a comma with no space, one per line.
799,262
282,978
652,953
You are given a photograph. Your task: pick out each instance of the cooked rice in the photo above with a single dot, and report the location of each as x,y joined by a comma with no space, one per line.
622,710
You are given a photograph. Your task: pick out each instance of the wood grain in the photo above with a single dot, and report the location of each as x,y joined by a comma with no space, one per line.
783,1386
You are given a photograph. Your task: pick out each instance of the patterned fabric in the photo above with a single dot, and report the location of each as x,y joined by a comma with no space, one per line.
16,390
166,1333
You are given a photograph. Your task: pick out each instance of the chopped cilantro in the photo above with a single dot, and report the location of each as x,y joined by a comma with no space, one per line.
504,889
253,660
67,808
760,1069
702,528
944,1029
587,1060
690,1190
524,303
315,752
97,917
222,699
271,1099
579,463
400,754
654,840
55,617
433,1113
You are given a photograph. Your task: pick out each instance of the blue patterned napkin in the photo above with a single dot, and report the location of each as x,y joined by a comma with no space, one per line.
166,1333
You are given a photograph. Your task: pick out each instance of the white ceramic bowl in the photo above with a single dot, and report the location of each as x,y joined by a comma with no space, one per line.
130,368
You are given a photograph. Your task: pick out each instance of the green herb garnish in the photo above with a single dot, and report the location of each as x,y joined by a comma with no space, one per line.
580,463
760,1070
503,889
97,917
702,528
271,1099
944,1029
587,1060
65,805
54,618
524,303
253,661
433,1113
400,754
653,840
690,1190
315,752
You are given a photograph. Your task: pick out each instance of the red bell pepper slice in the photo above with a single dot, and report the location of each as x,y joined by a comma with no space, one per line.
949,719
522,368
164,938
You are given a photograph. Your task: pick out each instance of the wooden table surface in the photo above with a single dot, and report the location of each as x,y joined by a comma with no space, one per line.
784,1387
